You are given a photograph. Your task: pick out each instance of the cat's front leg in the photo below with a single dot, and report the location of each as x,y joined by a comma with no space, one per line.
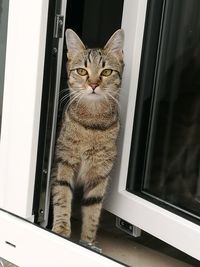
91,208
62,194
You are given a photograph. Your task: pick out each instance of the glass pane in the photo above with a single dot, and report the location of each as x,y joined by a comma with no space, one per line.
173,157
3,34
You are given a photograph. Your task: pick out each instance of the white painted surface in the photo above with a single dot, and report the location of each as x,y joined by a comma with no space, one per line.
35,246
21,104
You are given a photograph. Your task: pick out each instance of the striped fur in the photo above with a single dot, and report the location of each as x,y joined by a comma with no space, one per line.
86,145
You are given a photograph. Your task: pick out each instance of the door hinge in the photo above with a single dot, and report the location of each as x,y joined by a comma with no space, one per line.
58,26
127,227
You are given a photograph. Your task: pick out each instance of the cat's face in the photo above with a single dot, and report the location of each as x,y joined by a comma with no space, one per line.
94,74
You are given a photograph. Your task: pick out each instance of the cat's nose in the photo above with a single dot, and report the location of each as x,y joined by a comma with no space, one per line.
93,85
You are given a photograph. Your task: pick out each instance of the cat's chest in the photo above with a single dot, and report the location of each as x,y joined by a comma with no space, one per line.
83,139
86,137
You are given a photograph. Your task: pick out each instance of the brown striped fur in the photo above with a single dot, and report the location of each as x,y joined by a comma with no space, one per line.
86,145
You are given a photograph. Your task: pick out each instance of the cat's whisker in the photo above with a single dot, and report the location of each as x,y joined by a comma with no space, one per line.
65,108
107,100
63,98
81,97
111,96
113,92
117,94
66,96
64,90
64,102
72,100
115,100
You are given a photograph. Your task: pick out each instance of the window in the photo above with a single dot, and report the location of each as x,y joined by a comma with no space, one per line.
168,109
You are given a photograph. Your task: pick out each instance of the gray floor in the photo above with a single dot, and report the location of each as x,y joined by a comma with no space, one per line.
4,263
139,252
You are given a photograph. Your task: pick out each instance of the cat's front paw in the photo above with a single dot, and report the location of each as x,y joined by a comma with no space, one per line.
62,229
92,246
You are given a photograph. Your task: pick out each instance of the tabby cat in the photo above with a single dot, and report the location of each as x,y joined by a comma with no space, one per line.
86,145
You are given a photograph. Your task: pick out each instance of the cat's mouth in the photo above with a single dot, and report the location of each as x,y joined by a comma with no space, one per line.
94,96
95,91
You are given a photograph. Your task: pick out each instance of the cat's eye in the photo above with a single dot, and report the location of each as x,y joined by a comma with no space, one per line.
82,71
106,72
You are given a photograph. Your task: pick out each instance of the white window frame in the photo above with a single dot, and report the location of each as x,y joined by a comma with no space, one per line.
27,245
25,52
165,225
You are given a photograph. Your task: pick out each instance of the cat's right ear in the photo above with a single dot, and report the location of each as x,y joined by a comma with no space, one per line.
74,43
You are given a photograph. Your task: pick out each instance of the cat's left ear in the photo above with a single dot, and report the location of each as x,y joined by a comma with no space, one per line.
74,43
115,43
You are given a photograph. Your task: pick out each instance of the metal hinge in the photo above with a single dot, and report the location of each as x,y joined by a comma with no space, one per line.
58,26
127,227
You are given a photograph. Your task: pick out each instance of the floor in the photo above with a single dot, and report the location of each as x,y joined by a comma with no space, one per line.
144,251
4,263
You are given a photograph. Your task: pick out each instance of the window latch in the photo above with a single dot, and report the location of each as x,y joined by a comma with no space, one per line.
58,26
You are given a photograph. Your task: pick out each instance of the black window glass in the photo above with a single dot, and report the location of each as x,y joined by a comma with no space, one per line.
171,154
